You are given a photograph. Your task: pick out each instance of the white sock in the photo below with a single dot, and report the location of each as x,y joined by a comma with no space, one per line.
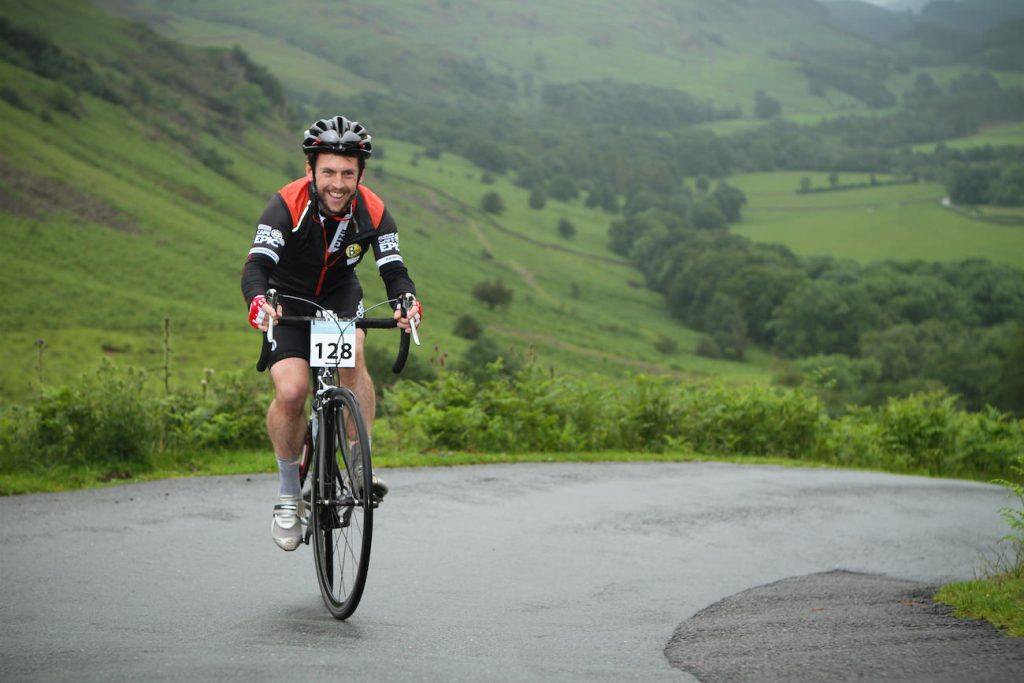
289,472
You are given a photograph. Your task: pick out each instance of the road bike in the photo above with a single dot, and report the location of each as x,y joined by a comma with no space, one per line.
336,465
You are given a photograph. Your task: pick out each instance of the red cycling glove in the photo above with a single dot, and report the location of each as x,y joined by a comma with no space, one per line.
256,313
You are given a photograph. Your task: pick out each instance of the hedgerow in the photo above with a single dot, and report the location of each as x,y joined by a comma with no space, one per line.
109,419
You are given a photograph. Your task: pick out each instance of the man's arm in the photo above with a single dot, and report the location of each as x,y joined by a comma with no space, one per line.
389,259
266,249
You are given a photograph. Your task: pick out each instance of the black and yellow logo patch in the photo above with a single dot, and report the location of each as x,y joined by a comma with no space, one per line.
353,250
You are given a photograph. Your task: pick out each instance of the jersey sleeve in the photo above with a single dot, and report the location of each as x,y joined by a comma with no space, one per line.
267,247
389,258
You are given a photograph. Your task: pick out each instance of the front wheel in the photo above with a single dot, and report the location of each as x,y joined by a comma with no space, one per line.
342,514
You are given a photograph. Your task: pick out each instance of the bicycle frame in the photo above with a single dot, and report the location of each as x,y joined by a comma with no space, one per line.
337,463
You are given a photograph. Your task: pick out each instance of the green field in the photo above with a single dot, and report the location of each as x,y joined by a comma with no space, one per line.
1001,135
871,224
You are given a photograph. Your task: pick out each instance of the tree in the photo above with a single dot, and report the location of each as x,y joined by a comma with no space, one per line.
566,229
467,327
971,185
538,197
725,324
706,215
483,352
759,289
492,203
765,106
730,201
822,317
494,293
487,155
562,188
1010,189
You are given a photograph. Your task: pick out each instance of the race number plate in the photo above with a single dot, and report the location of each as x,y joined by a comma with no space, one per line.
332,344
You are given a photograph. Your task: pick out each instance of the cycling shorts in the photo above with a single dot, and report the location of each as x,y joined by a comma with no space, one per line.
293,341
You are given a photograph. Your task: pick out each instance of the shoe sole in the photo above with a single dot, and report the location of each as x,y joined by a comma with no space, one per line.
285,543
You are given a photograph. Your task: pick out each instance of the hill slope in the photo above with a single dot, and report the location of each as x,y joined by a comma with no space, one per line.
134,169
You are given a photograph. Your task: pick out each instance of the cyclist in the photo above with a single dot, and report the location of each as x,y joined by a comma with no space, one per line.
310,237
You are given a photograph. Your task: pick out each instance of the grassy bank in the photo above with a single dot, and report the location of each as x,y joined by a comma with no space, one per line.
997,599
40,479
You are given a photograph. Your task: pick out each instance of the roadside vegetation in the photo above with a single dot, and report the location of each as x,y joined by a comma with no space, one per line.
998,594
109,425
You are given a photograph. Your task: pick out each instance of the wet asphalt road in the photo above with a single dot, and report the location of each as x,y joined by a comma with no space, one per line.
508,572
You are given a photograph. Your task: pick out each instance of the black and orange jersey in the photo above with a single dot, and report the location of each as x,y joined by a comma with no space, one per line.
298,251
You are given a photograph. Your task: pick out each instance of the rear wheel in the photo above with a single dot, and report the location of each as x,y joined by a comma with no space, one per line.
342,514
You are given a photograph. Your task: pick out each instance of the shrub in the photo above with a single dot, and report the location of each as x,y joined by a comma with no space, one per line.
492,203
105,419
232,414
467,327
566,229
666,345
751,420
494,293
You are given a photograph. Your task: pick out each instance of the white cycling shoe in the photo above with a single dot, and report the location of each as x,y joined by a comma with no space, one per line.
377,485
286,529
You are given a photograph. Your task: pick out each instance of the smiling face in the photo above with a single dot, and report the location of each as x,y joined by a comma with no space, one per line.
336,179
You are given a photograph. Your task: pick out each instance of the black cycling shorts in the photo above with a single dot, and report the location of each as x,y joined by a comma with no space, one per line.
293,341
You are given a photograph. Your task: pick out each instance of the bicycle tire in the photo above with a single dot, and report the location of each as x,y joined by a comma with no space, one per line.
341,518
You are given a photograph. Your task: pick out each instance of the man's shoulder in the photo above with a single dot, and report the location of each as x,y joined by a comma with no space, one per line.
373,203
295,196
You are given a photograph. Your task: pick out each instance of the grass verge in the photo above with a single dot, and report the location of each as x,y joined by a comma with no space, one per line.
172,465
996,599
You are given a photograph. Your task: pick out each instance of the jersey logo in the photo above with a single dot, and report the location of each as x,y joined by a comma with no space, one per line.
388,242
353,250
268,235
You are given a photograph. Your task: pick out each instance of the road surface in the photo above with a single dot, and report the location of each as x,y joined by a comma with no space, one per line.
504,572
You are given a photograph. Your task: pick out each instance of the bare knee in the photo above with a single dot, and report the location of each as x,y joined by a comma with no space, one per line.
291,384
290,398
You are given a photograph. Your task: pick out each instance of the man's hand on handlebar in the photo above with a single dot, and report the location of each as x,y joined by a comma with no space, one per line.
408,315
409,312
260,312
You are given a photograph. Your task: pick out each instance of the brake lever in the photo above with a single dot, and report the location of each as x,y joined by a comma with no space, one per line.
271,299
405,302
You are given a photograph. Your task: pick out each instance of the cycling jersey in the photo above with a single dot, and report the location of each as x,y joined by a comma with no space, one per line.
298,251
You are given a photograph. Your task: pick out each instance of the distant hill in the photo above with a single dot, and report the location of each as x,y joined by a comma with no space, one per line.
870,20
976,16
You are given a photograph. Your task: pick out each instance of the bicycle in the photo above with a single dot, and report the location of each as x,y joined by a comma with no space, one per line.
336,454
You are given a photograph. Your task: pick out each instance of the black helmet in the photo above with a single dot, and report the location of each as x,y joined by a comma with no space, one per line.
338,134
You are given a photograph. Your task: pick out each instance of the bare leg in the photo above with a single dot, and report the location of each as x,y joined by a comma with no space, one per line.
359,381
286,416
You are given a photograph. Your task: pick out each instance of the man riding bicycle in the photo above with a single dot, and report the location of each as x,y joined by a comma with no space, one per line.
309,239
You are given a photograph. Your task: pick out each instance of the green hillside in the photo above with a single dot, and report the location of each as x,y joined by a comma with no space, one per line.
132,206
138,152
713,50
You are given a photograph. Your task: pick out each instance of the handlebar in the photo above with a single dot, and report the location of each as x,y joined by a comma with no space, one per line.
360,323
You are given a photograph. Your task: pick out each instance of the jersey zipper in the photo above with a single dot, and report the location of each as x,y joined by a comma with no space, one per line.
327,254
327,247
